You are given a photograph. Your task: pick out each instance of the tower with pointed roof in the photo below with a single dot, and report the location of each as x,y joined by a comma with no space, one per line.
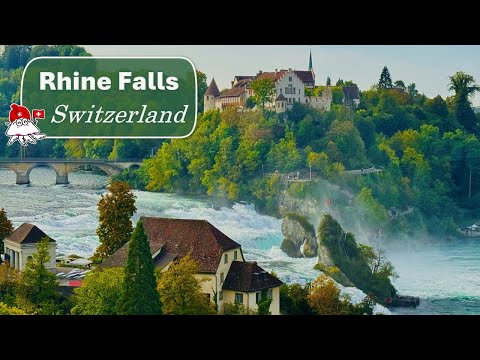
210,95
310,66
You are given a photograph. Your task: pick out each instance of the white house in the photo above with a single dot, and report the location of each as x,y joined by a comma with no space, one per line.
228,277
21,244
289,88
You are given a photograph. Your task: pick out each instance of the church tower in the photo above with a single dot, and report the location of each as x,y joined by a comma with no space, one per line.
210,95
310,67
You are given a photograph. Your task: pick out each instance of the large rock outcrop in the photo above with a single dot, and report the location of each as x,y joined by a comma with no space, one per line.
297,232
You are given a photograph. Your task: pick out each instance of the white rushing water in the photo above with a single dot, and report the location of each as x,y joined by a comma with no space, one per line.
446,276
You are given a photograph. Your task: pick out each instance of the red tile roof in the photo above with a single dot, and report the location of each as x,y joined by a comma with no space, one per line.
27,234
248,277
177,238
271,75
233,92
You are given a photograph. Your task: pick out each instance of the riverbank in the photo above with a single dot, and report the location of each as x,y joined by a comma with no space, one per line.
444,274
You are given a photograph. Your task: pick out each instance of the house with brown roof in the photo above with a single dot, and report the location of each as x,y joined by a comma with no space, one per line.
21,244
228,277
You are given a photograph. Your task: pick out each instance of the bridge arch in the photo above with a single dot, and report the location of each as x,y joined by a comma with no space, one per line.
106,168
36,165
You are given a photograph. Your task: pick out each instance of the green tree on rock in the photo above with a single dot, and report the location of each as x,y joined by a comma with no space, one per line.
385,81
263,91
139,293
329,81
180,292
115,227
6,228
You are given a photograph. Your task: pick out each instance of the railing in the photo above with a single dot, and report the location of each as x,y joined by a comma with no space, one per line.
55,160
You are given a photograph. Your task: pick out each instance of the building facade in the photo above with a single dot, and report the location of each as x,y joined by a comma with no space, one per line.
227,277
289,84
21,244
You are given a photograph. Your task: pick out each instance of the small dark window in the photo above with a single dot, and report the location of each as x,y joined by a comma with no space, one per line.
222,278
225,259
235,255
220,295
239,298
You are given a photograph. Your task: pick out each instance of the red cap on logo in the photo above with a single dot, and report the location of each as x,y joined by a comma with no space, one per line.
18,112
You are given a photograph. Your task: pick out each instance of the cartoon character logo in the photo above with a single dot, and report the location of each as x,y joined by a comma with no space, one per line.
23,127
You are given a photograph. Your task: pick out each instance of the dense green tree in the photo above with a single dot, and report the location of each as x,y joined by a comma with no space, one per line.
329,82
263,91
284,155
10,282
71,50
43,50
100,293
139,291
385,81
464,86
7,310
412,89
201,89
345,145
97,148
339,82
400,85
293,300
40,286
115,227
6,228
437,106
180,291
15,56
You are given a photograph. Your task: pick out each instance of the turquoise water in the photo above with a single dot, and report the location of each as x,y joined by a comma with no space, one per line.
445,275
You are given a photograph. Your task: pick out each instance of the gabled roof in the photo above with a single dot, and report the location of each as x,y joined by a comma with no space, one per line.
243,82
243,77
281,98
305,76
233,92
271,75
351,92
213,89
248,277
175,238
27,234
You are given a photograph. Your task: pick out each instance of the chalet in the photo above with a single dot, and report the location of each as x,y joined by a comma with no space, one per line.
21,244
229,278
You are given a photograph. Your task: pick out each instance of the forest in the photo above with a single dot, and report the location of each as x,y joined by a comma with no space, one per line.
427,148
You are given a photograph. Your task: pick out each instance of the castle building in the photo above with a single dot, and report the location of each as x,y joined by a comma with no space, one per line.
290,88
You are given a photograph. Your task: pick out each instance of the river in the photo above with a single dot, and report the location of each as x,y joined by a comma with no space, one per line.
445,275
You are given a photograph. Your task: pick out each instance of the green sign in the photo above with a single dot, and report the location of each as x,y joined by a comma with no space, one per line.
92,97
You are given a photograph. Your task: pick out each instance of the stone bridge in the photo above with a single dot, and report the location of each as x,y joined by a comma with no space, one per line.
63,167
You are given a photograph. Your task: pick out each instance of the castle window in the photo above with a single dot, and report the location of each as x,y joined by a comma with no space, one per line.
222,278
220,295
289,78
235,255
225,258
